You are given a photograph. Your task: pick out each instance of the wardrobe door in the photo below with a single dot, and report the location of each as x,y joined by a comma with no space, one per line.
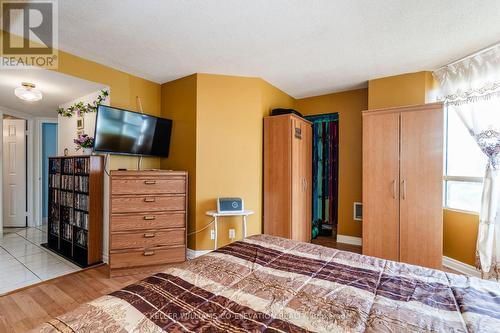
301,135
421,184
307,175
277,176
380,185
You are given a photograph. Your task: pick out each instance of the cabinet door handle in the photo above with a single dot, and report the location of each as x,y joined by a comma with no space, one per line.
150,182
394,189
403,191
149,218
149,235
149,199
148,253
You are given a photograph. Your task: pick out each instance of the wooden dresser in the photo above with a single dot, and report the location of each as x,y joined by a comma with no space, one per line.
147,223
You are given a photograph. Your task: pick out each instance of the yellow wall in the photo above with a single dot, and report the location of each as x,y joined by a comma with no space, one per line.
229,159
399,90
179,104
460,235
349,105
220,143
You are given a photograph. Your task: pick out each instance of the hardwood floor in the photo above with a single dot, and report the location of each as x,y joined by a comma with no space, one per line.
27,308
331,242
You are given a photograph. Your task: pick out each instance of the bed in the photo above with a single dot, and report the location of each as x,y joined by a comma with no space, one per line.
271,284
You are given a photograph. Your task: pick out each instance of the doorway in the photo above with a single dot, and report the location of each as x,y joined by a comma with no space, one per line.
48,142
14,175
325,174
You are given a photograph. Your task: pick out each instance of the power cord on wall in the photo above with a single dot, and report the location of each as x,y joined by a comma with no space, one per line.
197,231
105,163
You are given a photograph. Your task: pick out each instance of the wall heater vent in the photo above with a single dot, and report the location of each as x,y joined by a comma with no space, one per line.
358,211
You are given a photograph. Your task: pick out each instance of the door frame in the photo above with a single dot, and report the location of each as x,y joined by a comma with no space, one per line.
29,155
38,219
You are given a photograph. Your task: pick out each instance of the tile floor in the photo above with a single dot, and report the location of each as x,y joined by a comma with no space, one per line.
24,262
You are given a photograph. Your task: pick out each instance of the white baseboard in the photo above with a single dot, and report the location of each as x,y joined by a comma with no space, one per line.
349,240
461,267
191,254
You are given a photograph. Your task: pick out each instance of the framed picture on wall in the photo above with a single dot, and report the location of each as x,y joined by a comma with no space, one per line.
80,132
79,123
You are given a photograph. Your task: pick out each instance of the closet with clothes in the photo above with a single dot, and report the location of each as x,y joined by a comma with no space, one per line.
325,167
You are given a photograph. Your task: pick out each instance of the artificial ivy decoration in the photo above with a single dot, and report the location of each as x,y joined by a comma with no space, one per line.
81,108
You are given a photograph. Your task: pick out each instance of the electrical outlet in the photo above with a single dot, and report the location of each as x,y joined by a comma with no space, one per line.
212,234
232,234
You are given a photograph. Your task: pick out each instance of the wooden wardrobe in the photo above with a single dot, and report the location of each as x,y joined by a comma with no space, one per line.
287,177
402,184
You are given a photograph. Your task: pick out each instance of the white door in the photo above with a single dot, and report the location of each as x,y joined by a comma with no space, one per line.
14,173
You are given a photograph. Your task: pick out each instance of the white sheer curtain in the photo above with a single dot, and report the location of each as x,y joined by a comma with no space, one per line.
471,88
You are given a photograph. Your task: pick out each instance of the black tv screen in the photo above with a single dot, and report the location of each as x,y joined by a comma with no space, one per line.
126,132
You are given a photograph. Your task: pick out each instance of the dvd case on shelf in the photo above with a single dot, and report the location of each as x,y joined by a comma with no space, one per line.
54,181
82,220
82,201
54,166
82,183
82,165
67,198
68,165
81,238
67,232
67,182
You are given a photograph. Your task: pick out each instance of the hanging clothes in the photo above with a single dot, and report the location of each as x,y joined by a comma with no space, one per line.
325,174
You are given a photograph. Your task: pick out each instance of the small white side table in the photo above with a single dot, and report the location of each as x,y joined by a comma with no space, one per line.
216,216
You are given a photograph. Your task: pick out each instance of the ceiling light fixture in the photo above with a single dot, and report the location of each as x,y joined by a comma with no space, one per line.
27,92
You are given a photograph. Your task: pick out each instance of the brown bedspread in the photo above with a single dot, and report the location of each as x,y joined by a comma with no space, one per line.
270,284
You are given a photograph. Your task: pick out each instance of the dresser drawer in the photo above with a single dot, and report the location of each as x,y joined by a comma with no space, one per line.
130,222
147,203
152,185
153,256
147,239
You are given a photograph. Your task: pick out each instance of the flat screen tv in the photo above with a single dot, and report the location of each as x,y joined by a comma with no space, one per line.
119,131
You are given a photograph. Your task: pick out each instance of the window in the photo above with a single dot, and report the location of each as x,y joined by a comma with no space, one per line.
464,166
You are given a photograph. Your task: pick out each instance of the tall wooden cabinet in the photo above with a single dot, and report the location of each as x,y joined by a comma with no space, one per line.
402,184
287,177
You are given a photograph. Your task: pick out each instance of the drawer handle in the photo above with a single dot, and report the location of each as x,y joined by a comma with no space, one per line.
149,199
150,182
149,253
149,218
149,235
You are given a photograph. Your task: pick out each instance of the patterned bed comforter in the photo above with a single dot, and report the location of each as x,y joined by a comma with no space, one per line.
270,284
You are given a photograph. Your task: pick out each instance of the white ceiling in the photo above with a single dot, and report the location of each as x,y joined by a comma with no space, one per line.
304,47
57,89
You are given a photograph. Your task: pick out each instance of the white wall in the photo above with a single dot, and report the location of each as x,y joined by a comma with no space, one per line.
67,126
